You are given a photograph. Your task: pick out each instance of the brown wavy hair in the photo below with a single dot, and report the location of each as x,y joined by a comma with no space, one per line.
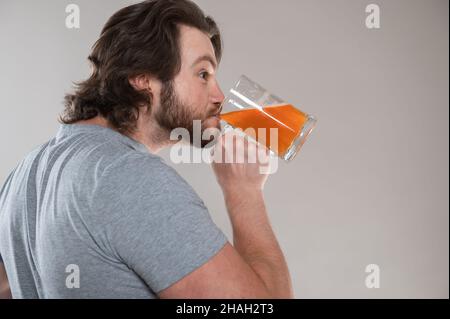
139,39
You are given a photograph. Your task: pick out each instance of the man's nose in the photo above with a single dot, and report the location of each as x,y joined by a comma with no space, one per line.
218,97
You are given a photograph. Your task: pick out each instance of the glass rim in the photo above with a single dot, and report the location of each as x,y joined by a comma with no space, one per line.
300,139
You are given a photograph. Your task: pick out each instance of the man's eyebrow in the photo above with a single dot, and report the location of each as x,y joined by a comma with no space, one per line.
205,57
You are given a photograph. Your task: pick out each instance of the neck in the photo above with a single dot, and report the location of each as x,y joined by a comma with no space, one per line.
148,132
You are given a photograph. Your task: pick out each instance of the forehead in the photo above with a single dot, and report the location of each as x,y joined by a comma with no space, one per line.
193,45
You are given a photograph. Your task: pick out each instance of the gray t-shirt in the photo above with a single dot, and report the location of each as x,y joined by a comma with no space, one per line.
93,214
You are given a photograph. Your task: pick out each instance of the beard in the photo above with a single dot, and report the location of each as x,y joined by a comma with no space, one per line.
174,114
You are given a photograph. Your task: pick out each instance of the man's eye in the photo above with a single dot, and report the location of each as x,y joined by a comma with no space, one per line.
204,75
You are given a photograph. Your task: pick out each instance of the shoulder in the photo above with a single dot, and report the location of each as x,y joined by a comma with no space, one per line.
27,163
139,176
144,168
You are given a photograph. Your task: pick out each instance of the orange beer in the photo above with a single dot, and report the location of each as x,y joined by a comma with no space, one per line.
286,118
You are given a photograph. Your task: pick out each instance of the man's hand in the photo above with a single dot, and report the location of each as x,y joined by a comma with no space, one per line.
239,177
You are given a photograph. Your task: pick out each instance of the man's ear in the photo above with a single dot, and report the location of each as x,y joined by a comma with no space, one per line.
140,82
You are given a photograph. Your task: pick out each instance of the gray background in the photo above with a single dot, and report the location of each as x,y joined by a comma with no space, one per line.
370,185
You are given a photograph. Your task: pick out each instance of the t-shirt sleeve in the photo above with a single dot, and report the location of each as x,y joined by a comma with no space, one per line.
159,226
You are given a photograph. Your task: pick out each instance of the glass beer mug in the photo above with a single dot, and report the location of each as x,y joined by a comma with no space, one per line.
254,110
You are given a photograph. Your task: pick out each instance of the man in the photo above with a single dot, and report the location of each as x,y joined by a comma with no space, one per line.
95,213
